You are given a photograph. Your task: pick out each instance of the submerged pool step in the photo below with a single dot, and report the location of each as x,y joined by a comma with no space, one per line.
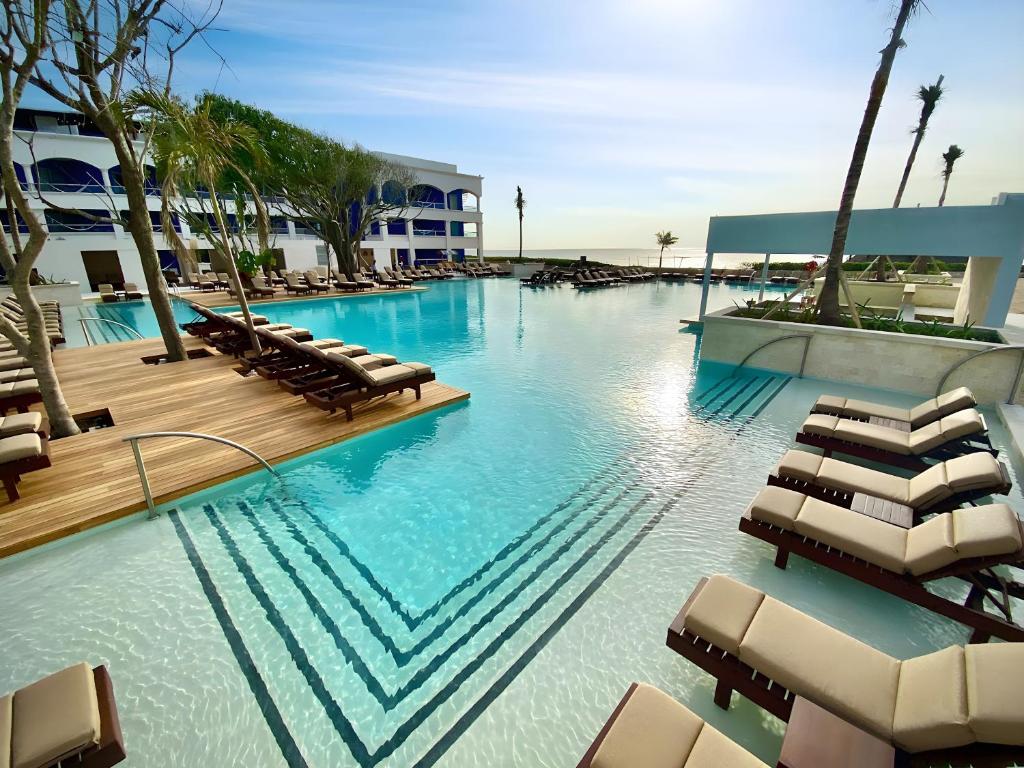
738,396
291,605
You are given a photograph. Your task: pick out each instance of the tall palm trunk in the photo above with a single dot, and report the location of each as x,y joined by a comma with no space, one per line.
945,187
660,254
922,126
828,301
520,236
236,281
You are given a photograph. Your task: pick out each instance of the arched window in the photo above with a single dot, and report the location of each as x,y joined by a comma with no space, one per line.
64,174
463,200
392,193
19,172
426,196
117,180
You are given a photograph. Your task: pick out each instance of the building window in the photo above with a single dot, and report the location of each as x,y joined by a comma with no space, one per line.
117,181
323,259
396,227
59,221
428,227
64,174
426,196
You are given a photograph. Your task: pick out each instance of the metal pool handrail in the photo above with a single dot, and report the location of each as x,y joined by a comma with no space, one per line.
803,359
1005,348
141,466
88,337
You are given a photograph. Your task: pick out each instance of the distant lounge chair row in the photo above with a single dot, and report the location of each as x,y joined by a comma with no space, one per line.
108,295
19,388
330,374
52,317
696,274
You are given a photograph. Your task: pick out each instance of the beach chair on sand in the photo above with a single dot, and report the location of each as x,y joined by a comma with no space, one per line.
967,544
650,729
958,706
904,418
961,432
66,719
356,383
941,487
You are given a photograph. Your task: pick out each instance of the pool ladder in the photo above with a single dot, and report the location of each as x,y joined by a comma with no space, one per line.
141,465
88,337
803,358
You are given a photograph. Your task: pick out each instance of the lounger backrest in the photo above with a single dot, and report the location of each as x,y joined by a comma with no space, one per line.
106,288
955,400
131,287
351,367
930,486
293,280
312,277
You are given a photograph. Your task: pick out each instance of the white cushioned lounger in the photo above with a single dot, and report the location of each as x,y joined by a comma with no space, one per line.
20,423
943,700
915,443
974,471
987,531
653,730
921,414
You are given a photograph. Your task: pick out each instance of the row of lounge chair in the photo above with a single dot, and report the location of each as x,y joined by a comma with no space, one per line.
696,275
108,295
960,706
600,278
329,373
473,268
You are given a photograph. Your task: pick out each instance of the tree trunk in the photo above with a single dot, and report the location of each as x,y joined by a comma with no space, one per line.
945,186
828,301
141,229
343,245
910,163
229,257
520,236
660,254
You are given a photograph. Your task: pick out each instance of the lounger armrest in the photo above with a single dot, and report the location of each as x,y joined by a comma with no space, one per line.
677,627
111,738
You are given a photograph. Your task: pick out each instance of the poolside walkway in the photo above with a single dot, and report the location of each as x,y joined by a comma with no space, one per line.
93,479
214,299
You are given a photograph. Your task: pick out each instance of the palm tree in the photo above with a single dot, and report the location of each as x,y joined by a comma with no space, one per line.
191,149
929,96
828,301
665,240
950,156
520,206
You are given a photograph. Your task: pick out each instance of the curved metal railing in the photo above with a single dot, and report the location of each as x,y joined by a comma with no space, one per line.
803,358
88,336
141,466
1003,348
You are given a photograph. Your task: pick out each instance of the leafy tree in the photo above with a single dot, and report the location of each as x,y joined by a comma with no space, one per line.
949,157
666,240
929,96
520,207
828,300
23,39
192,150
97,52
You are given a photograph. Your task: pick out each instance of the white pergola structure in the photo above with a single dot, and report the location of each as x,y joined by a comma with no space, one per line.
990,236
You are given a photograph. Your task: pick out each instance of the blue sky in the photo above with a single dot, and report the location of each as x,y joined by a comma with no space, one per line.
621,118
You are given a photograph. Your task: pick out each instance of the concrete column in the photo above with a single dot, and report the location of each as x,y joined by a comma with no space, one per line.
480,239
705,285
412,249
764,277
987,290
291,227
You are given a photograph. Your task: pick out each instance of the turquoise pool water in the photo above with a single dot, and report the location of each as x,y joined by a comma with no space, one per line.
473,587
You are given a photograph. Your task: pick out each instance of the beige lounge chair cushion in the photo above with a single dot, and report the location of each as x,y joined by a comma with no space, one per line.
930,545
873,540
778,506
13,362
715,750
291,332
956,400
930,486
955,426
853,478
722,611
20,374
829,404
6,703
931,704
20,447
799,465
350,350
13,388
984,531
20,423
995,692
389,374
973,471
324,343
843,675
919,415
55,718
863,409
420,368
653,730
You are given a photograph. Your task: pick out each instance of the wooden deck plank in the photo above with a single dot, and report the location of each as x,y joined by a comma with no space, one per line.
93,479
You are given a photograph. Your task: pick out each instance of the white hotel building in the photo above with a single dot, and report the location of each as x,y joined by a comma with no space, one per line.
65,159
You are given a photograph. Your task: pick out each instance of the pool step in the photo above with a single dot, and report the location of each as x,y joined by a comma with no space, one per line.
738,396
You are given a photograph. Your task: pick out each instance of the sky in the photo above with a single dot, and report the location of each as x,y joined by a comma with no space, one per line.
620,118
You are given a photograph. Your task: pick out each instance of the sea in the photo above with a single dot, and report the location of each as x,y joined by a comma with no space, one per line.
676,257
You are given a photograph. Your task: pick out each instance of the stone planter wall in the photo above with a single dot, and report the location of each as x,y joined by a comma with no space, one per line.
67,294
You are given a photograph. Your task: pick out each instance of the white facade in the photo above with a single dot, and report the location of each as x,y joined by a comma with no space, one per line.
450,223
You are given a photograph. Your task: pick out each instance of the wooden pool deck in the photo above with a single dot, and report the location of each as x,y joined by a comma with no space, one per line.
93,479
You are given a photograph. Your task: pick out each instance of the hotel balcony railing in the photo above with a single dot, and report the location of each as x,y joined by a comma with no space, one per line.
426,204
85,186
427,232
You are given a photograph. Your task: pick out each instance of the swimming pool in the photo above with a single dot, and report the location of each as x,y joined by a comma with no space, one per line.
475,586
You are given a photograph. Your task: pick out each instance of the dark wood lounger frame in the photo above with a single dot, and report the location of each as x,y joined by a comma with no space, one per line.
110,750
845,498
733,675
950,450
20,402
12,471
344,396
986,584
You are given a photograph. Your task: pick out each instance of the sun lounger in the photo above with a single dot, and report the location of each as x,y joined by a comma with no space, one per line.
107,295
292,284
22,424
357,383
316,283
961,432
941,487
322,371
19,395
965,543
202,283
916,417
66,719
650,729
20,454
132,292
952,707
257,286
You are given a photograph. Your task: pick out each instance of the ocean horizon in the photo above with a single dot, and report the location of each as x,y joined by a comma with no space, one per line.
646,257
